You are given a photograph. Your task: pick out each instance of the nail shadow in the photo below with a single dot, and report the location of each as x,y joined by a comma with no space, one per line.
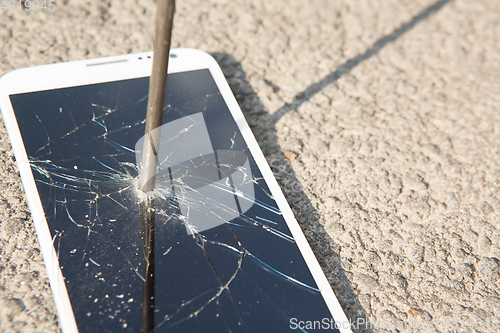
350,64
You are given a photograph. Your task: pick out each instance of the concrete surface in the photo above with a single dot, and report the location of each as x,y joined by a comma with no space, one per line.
391,107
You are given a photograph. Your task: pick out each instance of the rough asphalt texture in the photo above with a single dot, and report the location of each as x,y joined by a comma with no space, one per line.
391,107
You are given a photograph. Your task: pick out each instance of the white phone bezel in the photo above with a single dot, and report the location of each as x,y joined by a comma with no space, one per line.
123,67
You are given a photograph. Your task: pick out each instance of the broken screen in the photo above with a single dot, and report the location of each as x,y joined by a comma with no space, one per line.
224,258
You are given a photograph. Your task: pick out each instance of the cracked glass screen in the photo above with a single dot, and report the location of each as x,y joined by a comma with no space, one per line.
224,259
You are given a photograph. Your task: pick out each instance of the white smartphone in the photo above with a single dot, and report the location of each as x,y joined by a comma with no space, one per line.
229,255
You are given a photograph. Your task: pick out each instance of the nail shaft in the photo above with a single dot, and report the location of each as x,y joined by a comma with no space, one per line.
157,88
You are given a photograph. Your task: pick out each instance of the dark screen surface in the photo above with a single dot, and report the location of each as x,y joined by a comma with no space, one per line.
224,258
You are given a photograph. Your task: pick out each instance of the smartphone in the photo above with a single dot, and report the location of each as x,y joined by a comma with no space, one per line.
225,251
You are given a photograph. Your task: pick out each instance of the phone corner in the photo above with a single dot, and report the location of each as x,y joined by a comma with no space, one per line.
192,53
12,80
4,80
